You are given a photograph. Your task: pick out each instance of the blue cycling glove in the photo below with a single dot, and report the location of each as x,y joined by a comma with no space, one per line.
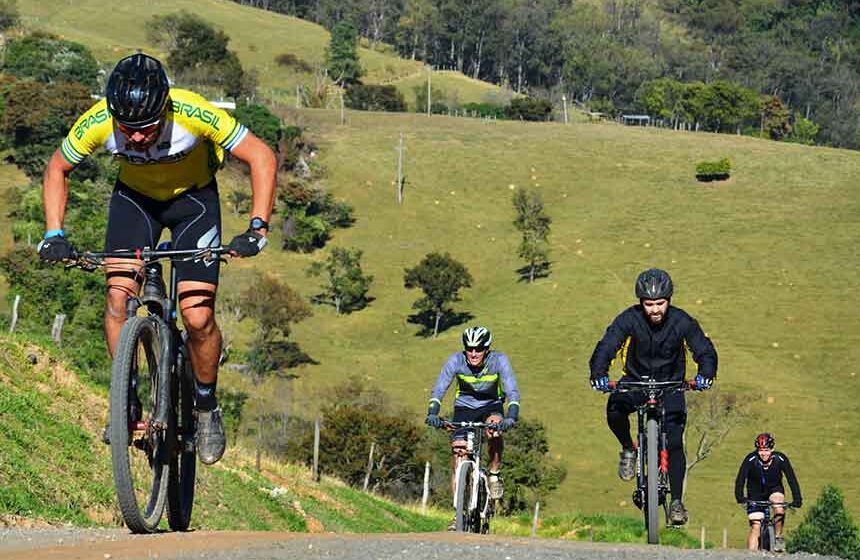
703,383
434,421
506,424
600,384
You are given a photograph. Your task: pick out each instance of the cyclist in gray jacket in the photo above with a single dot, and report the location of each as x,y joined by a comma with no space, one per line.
485,379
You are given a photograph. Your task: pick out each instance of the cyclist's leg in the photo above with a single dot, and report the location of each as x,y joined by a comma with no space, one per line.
493,415
755,520
131,225
674,425
194,219
778,497
619,406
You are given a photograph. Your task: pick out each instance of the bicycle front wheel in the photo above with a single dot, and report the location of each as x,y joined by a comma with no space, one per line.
183,464
463,497
140,451
652,497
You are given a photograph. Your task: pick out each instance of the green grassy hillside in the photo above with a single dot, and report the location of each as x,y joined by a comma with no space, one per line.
10,177
766,261
54,467
257,36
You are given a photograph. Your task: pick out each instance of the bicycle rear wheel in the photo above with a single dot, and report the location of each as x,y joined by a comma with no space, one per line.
463,497
183,462
140,451
652,506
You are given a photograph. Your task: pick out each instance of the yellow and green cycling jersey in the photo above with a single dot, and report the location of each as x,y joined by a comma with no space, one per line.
189,150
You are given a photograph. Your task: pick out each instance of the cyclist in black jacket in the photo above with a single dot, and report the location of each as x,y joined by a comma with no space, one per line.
652,339
761,471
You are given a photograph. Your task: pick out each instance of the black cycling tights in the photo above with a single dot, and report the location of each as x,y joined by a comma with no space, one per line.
618,417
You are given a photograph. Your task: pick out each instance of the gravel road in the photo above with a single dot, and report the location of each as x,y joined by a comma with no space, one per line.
109,544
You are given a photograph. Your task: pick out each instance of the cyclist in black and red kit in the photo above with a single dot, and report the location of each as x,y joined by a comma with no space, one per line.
761,471
652,338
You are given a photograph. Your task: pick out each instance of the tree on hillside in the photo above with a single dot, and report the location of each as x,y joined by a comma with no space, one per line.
827,529
341,56
712,417
261,121
8,14
274,307
47,58
775,118
355,417
346,285
441,278
198,54
36,118
533,223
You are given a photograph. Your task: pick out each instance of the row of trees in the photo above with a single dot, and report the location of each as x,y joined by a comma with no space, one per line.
807,54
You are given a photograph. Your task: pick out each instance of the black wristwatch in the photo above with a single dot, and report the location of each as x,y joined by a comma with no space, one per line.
258,223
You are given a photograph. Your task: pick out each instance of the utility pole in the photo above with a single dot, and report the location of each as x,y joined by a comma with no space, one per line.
400,149
429,71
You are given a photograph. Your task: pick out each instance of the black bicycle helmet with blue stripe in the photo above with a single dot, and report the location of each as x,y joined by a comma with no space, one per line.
137,91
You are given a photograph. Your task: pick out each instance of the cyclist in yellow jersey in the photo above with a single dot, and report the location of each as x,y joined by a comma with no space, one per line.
170,143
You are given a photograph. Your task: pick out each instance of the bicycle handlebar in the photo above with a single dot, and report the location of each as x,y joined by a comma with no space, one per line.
90,260
634,386
767,503
450,425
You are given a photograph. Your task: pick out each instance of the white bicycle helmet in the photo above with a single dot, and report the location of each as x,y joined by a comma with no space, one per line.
477,337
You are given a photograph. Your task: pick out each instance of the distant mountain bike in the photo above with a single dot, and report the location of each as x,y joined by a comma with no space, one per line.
152,425
767,530
472,504
652,469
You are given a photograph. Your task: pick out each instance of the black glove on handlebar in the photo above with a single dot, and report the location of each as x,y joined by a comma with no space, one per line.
55,249
434,421
248,244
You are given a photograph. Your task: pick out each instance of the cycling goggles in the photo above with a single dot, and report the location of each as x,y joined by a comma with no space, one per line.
145,130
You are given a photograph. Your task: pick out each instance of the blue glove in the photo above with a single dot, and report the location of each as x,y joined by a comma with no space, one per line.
506,424
434,421
600,384
703,383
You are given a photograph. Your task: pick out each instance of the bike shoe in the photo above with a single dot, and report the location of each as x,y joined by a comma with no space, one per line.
677,513
627,464
778,544
452,526
496,486
106,435
211,440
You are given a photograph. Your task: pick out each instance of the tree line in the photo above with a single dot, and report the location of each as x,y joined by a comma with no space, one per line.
805,53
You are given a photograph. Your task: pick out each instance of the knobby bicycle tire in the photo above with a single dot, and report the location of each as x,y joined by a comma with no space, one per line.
463,497
652,506
139,340
183,461
767,536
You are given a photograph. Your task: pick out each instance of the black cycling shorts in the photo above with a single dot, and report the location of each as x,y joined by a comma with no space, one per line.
136,221
465,414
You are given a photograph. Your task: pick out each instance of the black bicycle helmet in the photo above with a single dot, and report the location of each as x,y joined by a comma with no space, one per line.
137,91
764,441
654,284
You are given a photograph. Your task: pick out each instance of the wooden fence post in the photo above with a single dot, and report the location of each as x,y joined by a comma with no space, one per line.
57,328
426,493
702,538
535,520
400,149
369,465
14,313
725,538
564,104
342,111
316,471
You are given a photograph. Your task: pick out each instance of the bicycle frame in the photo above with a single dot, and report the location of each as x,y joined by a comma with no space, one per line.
650,494
767,527
474,446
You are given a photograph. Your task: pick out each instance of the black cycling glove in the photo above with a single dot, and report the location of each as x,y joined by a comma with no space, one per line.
55,248
248,244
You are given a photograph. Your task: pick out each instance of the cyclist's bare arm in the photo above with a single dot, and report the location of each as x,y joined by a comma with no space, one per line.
263,163
55,190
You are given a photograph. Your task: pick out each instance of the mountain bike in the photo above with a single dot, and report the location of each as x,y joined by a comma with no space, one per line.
767,529
152,427
472,504
652,467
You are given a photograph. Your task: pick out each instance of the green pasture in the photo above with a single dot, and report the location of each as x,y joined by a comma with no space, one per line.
766,261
